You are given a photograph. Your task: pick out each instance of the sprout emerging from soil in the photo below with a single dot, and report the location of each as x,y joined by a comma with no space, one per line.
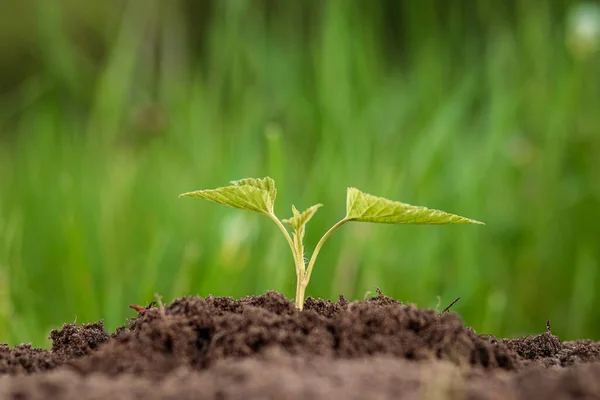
258,195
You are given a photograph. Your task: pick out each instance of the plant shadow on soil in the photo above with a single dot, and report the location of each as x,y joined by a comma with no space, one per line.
263,347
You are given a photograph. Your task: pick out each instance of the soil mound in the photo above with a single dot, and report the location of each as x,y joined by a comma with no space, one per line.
261,346
196,332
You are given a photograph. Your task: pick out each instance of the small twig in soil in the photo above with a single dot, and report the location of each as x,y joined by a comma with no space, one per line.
141,309
367,295
445,310
548,330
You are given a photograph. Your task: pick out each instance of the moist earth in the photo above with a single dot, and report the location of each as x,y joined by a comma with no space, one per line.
263,347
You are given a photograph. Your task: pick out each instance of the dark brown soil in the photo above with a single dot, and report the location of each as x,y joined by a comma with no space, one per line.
262,347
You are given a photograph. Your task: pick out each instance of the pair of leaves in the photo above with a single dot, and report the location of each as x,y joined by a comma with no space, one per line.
259,195
299,220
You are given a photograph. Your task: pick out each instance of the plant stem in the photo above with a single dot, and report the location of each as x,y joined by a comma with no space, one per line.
298,259
285,233
302,284
300,290
300,267
313,258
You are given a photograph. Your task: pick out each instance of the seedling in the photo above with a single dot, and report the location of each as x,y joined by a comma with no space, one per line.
259,195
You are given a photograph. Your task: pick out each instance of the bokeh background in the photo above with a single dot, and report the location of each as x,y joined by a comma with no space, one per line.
488,109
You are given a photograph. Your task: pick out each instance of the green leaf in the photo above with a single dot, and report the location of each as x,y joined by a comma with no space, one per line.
265,184
363,207
300,219
250,194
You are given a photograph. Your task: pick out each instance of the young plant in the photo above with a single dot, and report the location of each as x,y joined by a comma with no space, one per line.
259,195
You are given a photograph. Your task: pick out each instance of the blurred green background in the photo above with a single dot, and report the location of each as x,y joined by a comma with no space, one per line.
488,109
